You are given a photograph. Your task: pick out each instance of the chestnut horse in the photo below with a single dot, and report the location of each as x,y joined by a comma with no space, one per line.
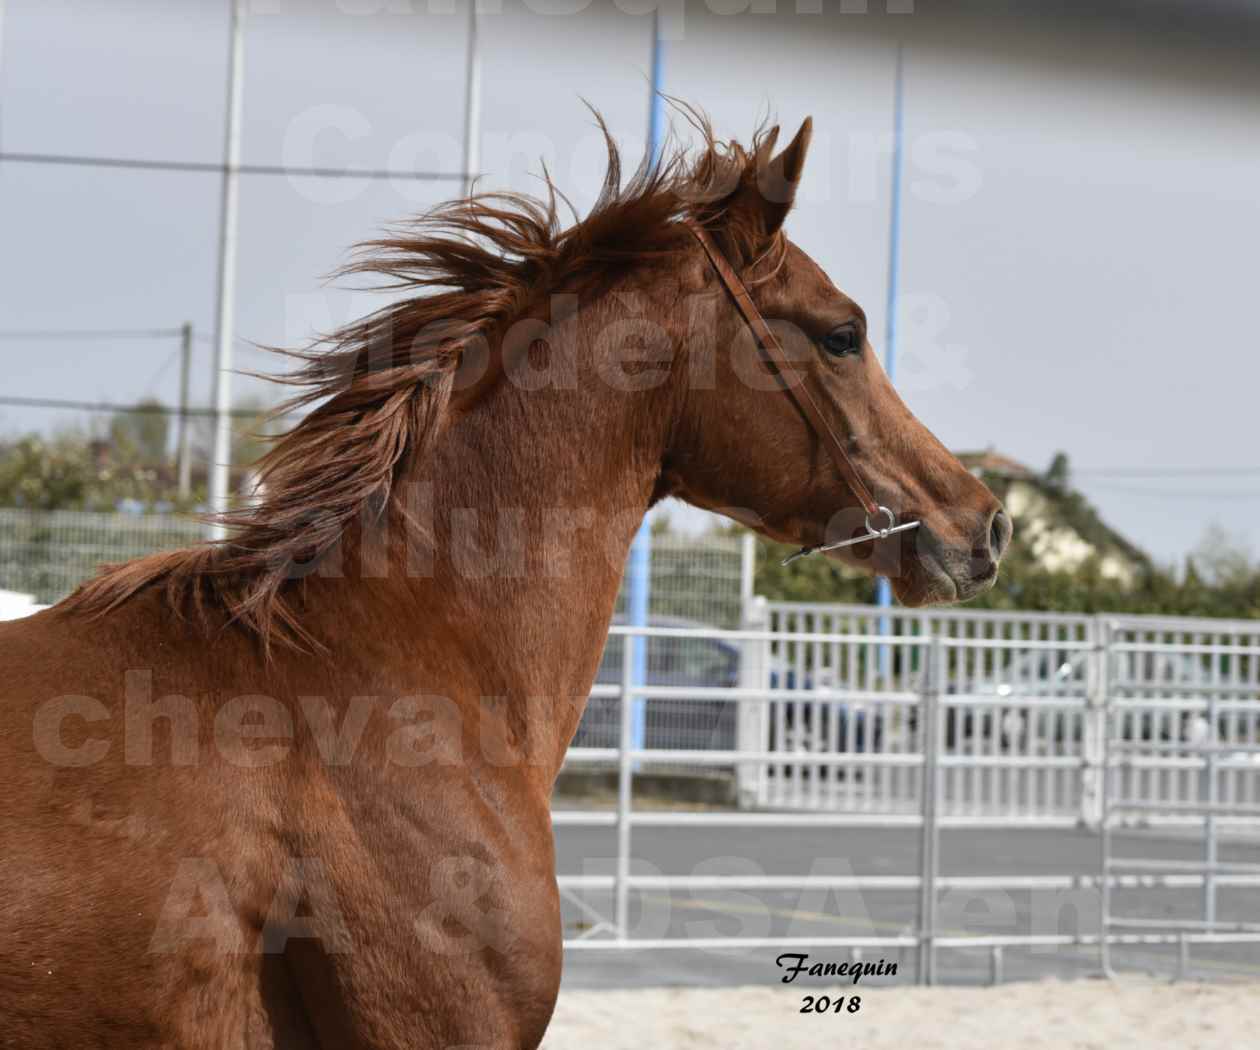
291,789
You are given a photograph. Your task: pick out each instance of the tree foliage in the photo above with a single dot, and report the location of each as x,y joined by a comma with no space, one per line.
141,436
67,472
133,464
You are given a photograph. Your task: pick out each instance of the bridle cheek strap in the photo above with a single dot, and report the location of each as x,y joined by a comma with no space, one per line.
799,391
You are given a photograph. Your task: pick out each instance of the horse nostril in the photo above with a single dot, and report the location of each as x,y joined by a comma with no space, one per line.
999,534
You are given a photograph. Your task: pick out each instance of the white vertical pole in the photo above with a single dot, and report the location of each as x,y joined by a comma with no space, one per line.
1105,641
472,102
929,848
752,729
2,6
221,458
625,788
747,566
1210,854
752,726
1094,726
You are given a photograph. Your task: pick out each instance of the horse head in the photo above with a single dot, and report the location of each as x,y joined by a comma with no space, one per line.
741,445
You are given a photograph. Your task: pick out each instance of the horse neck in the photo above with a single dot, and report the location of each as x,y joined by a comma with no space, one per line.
530,500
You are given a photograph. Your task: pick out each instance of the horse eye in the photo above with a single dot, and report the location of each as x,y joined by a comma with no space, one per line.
843,341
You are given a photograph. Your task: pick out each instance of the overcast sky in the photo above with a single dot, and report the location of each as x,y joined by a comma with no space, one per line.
1080,224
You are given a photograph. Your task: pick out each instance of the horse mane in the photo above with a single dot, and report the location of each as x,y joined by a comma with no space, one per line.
381,385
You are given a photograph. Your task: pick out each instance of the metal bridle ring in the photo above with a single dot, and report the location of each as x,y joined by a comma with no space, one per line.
882,533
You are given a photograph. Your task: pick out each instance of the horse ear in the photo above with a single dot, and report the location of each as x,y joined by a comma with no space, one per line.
778,179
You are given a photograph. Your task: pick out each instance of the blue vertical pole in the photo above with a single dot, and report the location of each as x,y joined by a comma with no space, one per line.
883,590
656,104
639,580
639,571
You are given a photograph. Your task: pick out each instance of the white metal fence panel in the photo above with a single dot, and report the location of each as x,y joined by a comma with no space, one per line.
1015,697
855,698
1178,687
1022,701
1033,713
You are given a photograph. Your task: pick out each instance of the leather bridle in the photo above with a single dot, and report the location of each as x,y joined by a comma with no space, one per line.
805,401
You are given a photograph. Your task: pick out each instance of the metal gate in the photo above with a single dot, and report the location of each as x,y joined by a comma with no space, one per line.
1009,721
1022,704
1180,744
1015,710
1185,695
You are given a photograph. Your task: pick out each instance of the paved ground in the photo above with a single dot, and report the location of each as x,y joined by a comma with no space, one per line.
794,851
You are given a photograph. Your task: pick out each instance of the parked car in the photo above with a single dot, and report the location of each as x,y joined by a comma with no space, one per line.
705,724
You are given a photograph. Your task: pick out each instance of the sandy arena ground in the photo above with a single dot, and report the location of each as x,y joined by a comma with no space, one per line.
1077,1015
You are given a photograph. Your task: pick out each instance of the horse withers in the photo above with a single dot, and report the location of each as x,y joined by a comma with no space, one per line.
291,789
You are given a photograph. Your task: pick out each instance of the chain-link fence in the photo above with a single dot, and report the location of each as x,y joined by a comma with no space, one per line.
48,553
696,581
694,578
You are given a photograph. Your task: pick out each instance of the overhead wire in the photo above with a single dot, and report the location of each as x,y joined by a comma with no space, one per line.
219,168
